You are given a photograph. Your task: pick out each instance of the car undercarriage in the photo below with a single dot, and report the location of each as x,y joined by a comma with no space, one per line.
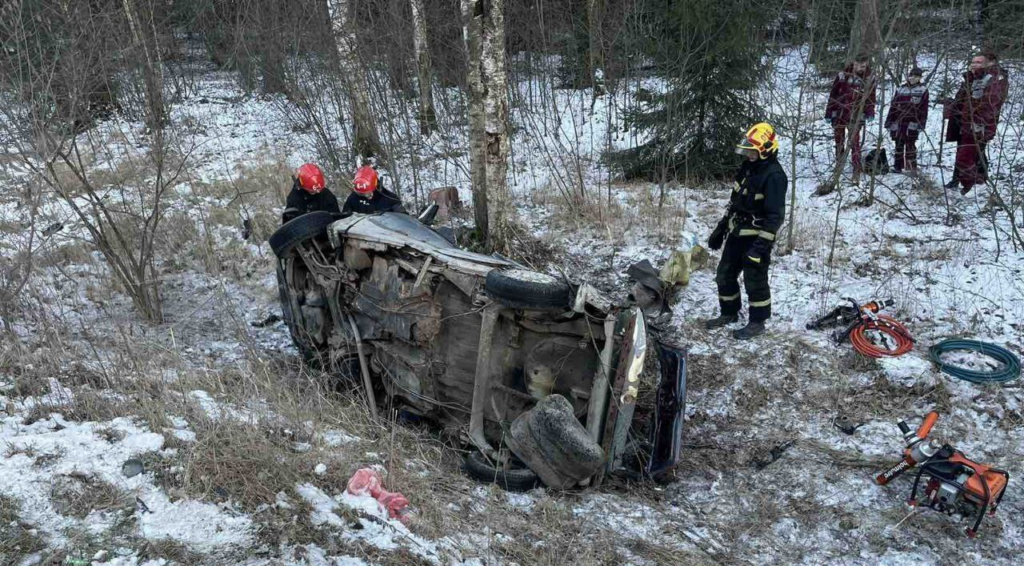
540,376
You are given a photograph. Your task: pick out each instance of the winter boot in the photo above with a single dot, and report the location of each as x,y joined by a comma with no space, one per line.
953,183
856,177
723,320
749,331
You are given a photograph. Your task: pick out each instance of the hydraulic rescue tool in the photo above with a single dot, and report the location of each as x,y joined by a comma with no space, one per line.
953,483
865,328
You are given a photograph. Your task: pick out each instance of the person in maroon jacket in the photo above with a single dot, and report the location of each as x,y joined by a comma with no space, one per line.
973,116
906,119
851,101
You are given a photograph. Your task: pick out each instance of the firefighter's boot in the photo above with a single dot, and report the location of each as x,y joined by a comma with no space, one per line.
749,331
723,320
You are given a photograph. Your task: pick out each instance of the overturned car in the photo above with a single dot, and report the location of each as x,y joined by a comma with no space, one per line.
541,376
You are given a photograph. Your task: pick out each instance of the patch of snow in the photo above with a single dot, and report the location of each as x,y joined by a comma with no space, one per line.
337,438
80,449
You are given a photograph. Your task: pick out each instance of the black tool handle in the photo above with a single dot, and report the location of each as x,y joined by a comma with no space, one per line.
903,427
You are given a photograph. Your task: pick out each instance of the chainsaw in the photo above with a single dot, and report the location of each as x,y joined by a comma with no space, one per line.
848,316
952,482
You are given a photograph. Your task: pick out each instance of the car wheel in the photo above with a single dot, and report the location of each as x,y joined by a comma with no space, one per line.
517,478
524,289
309,352
298,230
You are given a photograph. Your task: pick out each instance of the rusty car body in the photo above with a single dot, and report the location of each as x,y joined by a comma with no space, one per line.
541,376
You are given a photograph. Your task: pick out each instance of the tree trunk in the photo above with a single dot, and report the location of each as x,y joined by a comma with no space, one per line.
495,81
488,113
144,34
595,17
428,117
397,54
365,140
473,32
272,47
866,35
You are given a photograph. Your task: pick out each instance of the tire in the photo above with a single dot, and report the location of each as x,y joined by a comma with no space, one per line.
522,289
308,352
478,467
298,230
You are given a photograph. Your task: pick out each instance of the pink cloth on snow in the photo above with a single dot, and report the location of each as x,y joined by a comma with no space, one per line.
367,482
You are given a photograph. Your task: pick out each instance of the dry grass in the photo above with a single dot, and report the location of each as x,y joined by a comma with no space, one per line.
637,209
17,539
85,405
166,549
77,495
244,462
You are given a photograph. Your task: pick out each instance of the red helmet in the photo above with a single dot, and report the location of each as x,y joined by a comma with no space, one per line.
366,180
311,178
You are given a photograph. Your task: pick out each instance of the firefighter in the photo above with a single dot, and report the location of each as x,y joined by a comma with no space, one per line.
906,120
757,207
973,116
369,196
850,102
309,193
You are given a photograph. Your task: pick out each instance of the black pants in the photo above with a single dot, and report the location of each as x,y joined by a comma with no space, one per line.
906,154
755,279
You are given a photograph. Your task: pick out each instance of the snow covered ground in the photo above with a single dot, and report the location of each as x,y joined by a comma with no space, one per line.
73,392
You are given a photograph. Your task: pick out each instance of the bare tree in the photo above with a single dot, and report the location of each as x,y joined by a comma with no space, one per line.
365,139
488,116
428,117
120,211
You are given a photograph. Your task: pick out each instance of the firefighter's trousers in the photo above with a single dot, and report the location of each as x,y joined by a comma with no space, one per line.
755,279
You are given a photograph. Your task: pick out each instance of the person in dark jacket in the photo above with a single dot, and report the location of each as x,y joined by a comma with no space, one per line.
757,208
850,102
309,194
973,116
369,197
906,120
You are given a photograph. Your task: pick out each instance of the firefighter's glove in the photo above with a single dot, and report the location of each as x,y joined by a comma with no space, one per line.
717,237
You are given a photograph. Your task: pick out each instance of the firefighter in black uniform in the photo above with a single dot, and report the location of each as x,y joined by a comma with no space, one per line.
757,208
309,193
369,196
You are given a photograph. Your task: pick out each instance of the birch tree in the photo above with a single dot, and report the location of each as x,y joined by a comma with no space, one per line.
484,31
428,117
365,139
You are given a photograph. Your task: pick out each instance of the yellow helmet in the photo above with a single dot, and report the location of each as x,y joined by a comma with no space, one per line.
760,137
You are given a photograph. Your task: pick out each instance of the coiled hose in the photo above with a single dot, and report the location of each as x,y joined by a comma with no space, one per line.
886,325
1010,364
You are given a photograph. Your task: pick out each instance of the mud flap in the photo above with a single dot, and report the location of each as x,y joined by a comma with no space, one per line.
669,412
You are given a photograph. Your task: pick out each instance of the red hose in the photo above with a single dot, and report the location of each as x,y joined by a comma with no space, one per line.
888,326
